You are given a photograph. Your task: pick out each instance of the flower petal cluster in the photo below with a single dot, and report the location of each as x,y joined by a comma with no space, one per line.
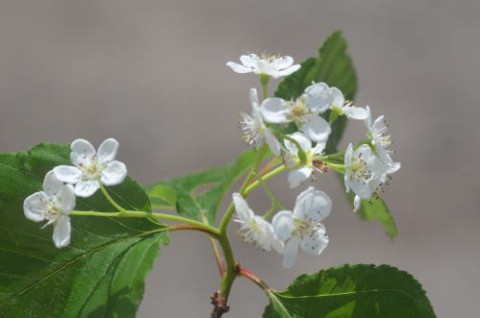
365,172
272,65
302,227
253,228
299,175
255,131
91,167
304,112
377,132
338,105
53,205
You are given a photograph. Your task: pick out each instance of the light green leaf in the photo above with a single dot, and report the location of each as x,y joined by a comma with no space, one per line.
376,209
162,196
352,291
200,194
101,273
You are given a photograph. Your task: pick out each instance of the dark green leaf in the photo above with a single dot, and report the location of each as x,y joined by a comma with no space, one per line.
101,273
352,291
200,194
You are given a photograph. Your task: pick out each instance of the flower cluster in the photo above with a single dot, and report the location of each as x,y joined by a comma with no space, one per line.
92,169
297,131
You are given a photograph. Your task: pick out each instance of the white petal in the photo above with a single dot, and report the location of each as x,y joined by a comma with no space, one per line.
51,185
298,176
114,173
283,225
275,111
250,60
237,68
254,99
317,97
394,167
69,174
82,151
34,206
272,142
302,140
357,202
287,71
355,112
61,231
312,205
291,251
68,198
361,188
282,62
107,150
315,244
336,97
368,120
85,188
241,207
317,129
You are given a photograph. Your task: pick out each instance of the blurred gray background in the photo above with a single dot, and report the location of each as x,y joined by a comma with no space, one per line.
152,74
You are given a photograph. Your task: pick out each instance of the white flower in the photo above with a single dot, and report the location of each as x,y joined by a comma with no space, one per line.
304,112
299,175
256,133
333,98
254,229
302,227
53,204
365,173
271,65
380,141
92,167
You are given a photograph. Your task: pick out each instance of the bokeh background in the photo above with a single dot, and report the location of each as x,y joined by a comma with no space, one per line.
152,74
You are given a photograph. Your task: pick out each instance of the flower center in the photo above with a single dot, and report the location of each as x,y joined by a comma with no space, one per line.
92,170
360,169
303,227
298,110
53,210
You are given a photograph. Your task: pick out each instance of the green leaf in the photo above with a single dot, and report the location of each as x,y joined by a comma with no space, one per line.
200,194
376,209
101,273
334,67
352,291
162,196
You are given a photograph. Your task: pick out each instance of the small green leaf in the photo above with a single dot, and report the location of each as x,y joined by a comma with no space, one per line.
377,209
352,291
100,274
162,195
200,194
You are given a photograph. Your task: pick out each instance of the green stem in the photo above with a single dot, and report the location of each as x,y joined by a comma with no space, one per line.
110,199
265,177
143,214
264,79
231,209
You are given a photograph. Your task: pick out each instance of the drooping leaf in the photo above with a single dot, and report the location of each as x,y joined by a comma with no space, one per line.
352,291
375,209
200,194
101,273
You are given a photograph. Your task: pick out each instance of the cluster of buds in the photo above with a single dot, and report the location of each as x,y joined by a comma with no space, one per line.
366,167
92,169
